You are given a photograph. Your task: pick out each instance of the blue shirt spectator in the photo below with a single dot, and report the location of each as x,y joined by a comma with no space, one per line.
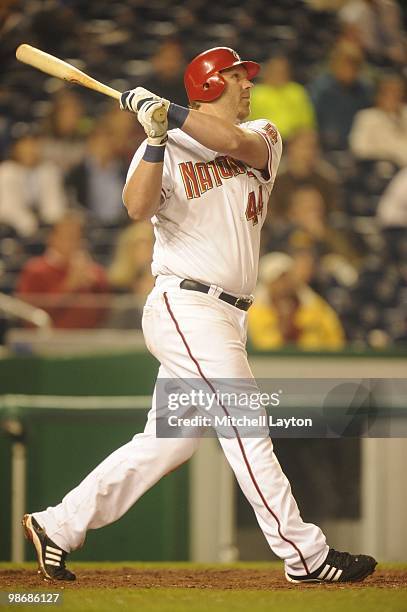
96,183
338,95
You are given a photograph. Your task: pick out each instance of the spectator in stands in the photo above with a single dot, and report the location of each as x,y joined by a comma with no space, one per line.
168,64
130,274
133,254
380,132
338,95
288,312
306,214
65,281
325,273
31,189
307,211
97,182
303,165
282,100
379,27
65,130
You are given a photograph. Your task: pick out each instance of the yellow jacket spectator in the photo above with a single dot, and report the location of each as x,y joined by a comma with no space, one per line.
281,100
287,312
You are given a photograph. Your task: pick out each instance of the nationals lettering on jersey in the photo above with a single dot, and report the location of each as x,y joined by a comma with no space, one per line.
199,177
213,206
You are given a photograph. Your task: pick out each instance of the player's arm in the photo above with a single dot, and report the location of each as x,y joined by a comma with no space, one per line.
142,192
227,138
211,131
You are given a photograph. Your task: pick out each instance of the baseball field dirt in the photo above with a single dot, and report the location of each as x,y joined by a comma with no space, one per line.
196,588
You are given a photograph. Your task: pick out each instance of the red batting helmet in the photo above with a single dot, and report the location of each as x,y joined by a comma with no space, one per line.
202,78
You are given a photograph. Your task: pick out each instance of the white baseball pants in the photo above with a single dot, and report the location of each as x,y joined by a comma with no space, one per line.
193,335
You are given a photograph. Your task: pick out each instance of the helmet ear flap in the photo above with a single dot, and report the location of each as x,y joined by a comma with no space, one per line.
213,87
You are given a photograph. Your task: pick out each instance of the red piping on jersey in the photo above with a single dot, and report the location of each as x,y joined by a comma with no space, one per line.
239,440
270,150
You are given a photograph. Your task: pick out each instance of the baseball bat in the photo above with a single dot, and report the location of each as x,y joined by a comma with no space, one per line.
62,70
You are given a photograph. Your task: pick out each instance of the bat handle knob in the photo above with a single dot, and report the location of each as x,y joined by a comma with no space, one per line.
160,114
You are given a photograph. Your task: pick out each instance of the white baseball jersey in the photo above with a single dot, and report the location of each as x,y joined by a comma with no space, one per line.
207,227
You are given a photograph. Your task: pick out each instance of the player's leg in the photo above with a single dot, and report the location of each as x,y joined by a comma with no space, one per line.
211,345
110,489
261,478
302,545
210,337
104,495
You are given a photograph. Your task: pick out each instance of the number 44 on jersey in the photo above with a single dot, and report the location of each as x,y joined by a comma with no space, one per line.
254,208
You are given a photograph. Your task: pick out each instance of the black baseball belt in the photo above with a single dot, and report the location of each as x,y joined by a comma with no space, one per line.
243,303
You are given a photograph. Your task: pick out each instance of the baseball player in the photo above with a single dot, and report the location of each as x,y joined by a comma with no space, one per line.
204,178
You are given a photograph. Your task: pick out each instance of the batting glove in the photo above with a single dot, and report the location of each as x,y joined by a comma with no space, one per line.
146,106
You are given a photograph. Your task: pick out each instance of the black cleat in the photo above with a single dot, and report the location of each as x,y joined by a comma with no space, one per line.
51,558
339,567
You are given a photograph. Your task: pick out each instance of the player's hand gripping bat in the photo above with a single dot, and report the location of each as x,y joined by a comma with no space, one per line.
62,70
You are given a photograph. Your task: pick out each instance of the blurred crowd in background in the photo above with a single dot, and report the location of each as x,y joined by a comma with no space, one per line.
334,253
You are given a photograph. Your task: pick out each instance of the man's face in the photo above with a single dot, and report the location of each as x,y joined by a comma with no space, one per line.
27,151
346,70
304,148
390,95
237,91
307,209
66,238
277,72
282,287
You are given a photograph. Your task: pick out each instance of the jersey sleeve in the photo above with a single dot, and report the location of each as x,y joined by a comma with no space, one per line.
166,187
272,138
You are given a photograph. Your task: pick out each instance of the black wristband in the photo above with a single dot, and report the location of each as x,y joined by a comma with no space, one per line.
154,153
176,116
